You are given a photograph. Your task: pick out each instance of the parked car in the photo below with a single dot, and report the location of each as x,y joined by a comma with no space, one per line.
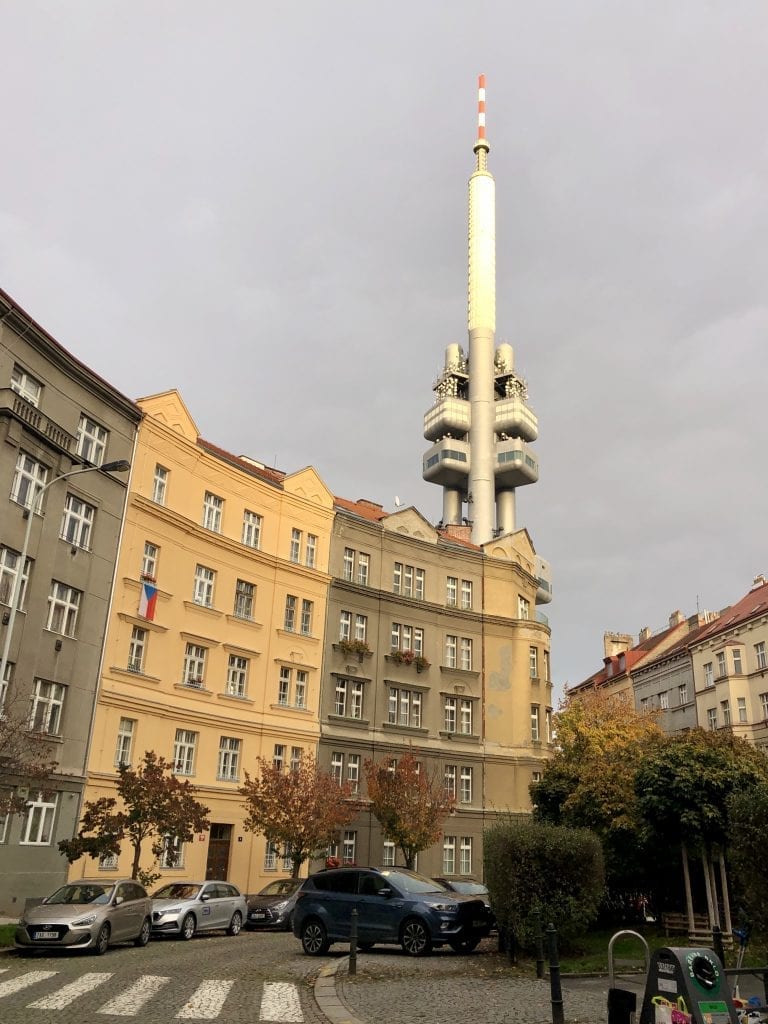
183,908
393,905
88,914
273,906
469,887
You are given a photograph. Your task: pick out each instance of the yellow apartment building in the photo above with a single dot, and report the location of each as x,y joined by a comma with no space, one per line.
214,645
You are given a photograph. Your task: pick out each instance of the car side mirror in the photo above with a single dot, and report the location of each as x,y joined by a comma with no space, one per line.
119,900
205,897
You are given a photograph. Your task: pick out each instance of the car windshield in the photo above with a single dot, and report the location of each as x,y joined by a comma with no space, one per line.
281,887
471,888
409,881
177,891
81,892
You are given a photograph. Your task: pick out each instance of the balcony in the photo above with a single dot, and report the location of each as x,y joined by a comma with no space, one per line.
544,576
447,463
35,420
513,417
447,416
515,466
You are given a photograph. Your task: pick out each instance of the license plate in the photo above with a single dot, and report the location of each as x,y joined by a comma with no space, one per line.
259,915
479,924
46,935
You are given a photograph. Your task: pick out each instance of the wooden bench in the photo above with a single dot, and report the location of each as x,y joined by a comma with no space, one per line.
677,924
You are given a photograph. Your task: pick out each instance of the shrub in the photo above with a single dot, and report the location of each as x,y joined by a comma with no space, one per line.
555,870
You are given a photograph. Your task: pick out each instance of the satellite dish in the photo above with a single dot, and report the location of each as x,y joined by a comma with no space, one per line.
398,503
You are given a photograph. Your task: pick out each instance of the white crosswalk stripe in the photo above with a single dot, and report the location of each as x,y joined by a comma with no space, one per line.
7,988
70,992
280,1002
128,1003
207,1001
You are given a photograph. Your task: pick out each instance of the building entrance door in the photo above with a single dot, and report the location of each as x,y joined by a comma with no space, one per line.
219,842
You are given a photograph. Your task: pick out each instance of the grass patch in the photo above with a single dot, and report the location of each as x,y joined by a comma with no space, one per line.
7,932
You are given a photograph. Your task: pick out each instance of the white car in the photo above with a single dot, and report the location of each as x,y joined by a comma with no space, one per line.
184,908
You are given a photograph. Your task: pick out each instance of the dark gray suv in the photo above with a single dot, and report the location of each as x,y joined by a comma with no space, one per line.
393,905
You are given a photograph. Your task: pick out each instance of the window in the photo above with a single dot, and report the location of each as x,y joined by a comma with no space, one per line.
149,561
725,707
760,655
466,594
712,718
173,853
203,589
244,594
419,584
466,654
709,677
124,742
284,687
278,756
764,705
682,693
548,724
229,759
741,704
404,707
91,440
397,578
388,854
465,861
449,855
363,566
28,480
449,716
9,567
159,484
533,662
37,827
47,704
300,693
664,700
310,550
194,665
451,591
295,545
337,766
353,773
237,676
451,643
4,684
348,701
348,847
213,507
296,755
348,568
137,649
361,627
108,862
535,726
289,623
722,669
545,655
77,521
408,581
737,661
252,529
184,748
270,857
466,785
523,608
345,626
63,605
26,385
465,719
306,617
449,781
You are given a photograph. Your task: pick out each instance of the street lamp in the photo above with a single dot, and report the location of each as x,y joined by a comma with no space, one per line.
119,466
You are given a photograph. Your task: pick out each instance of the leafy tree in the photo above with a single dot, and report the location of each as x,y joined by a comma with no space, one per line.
155,806
748,822
409,804
301,811
25,759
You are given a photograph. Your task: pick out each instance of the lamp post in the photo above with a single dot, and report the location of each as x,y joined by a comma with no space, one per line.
119,466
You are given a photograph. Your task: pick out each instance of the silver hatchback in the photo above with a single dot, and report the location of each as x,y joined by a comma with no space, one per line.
183,908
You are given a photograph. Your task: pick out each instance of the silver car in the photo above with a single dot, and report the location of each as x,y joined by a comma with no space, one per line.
88,914
183,908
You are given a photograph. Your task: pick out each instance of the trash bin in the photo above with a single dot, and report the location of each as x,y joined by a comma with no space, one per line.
687,986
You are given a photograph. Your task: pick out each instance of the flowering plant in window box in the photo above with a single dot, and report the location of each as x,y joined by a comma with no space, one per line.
358,647
147,577
421,662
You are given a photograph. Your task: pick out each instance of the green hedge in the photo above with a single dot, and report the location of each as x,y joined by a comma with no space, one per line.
531,866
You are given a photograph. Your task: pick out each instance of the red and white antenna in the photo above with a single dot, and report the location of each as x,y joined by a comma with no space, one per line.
481,107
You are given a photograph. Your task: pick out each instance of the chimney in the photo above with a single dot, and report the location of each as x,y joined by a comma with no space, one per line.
676,619
615,643
758,581
645,634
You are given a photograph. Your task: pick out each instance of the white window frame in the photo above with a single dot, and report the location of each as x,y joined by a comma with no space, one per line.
682,693
29,478
388,854
137,649
712,719
348,846
47,707
25,385
195,657
252,524
63,608
466,654
237,675
184,752
77,521
466,595
523,607
124,744
451,646
533,662
449,855
741,706
295,550
722,665
310,551
213,512
451,591
465,855
345,625
245,596
353,773
289,620
284,686
466,714
9,567
296,755
203,589
709,674
337,766
738,668
348,698
361,627
278,756
159,484
535,722
38,822
449,780
450,708
466,779
172,857
419,584
228,769
363,569
300,688
307,609
149,561
762,662
91,440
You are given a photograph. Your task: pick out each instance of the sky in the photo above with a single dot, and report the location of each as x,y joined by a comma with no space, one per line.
264,206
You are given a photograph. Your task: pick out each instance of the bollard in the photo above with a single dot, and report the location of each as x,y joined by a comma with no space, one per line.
717,943
554,976
353,944
539,937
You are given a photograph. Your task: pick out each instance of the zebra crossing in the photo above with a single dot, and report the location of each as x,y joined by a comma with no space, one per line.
280,1003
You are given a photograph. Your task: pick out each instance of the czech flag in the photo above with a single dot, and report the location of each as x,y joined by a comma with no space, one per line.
147,601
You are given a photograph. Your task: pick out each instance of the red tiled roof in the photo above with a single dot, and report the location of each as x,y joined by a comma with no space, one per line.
753,603
272,476
631,658
680,645
363,508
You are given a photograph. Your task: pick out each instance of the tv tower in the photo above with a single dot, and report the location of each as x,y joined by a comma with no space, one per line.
480,425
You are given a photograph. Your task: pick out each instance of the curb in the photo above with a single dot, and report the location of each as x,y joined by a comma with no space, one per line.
328,1001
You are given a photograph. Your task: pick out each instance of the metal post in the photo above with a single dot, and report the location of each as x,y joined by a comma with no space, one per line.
717,943
554,976
539,937
353,944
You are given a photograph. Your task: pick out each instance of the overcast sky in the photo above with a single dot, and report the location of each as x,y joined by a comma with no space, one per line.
264,205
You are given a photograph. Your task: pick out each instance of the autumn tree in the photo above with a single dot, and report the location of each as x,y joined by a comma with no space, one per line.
409,804
299,811
154,805
26,759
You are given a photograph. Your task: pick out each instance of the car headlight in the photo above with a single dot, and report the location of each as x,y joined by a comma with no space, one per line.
281,905
170,910
83,922
448,908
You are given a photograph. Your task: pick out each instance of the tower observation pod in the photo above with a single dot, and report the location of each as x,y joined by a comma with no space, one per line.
480,425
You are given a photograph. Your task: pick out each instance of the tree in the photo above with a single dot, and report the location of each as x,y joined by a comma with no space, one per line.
25,759
156,806
748,826
300,811
409,804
